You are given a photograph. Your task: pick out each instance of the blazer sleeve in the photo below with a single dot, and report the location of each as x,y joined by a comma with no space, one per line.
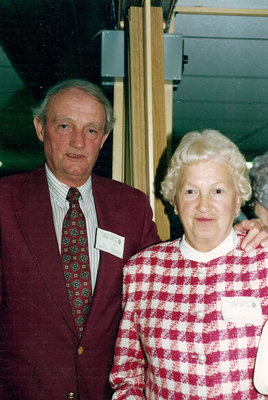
149,229
1,272
261,366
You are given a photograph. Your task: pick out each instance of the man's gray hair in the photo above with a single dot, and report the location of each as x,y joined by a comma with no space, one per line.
88,87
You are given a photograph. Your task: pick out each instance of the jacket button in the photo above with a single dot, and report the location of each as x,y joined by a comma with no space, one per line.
80,350
70,395
201,358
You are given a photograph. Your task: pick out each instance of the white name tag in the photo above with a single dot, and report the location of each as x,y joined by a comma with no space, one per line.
242,309
110,242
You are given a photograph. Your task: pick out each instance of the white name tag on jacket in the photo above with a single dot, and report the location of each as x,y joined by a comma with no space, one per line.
110,242
242,309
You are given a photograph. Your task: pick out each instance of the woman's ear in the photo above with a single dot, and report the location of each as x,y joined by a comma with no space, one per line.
238,206
176,212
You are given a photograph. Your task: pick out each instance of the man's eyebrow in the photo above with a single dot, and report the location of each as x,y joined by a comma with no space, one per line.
65,118
62,117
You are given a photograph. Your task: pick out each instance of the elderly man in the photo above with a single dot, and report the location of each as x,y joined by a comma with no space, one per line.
65,236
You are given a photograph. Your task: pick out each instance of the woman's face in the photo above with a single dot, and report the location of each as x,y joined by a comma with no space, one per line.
206,202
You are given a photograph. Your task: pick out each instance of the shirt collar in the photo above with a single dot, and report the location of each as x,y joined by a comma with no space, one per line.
225,247
58,190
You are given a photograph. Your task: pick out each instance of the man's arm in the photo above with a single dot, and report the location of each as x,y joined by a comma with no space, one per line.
256,233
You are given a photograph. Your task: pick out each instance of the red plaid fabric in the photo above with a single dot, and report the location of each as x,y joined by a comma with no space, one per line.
173,342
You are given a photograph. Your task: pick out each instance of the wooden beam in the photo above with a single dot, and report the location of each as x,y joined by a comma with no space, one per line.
241,12
118,167
148,83
147,111
136,103
159,118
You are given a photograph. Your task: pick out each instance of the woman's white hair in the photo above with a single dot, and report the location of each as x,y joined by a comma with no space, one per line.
196,147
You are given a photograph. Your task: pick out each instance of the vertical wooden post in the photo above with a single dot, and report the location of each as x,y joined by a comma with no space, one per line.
146,154
148,95
136,107
159,117
118,168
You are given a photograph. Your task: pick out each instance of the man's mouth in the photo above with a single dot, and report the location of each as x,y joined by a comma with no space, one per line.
75,156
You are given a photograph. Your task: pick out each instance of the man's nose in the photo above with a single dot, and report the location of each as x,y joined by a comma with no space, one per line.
78,138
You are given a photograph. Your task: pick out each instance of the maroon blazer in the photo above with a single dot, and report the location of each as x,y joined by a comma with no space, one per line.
40,355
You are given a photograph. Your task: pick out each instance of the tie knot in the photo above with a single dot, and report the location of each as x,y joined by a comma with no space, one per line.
73,195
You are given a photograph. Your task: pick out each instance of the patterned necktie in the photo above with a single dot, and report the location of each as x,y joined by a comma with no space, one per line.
75,260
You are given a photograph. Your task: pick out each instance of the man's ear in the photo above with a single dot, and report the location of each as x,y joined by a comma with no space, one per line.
105,136
39,128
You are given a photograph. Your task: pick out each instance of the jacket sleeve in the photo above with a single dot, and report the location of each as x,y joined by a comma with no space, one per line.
127,375
149,234
261,366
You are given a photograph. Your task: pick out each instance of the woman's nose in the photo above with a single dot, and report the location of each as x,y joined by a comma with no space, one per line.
203,202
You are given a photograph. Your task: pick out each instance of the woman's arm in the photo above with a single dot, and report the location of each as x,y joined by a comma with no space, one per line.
127,375
261,366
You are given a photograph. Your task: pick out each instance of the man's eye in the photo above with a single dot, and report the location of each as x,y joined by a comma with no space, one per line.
63,126
190,191
92,131
218,191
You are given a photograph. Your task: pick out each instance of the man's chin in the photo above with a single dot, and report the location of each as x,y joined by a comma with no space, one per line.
75,176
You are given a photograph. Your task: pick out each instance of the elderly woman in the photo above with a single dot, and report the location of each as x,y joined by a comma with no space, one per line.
259,173
193,309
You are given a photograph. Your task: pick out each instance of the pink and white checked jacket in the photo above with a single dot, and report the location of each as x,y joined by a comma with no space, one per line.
173,334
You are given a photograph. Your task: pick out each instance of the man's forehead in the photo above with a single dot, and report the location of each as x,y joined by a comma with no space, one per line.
71,96
73,93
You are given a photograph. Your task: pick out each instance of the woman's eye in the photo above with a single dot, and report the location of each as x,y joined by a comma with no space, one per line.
218,191
190,193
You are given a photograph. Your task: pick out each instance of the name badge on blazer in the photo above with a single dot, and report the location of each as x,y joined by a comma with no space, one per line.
110,242
242,309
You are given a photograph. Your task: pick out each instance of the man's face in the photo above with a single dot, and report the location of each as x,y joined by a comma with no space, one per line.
73,135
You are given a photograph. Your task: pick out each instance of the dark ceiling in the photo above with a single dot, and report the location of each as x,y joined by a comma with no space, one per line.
49,40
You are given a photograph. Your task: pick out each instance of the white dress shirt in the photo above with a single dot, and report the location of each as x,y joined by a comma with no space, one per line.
60,205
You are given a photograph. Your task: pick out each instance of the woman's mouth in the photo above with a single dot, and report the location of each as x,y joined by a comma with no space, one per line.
204,220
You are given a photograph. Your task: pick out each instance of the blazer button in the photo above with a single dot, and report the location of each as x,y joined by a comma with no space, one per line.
80,350
70,395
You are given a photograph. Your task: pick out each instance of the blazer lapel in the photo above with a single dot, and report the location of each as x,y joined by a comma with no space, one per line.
108,214
35,217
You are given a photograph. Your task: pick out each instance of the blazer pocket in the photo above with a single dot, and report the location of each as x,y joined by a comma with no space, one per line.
16,373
